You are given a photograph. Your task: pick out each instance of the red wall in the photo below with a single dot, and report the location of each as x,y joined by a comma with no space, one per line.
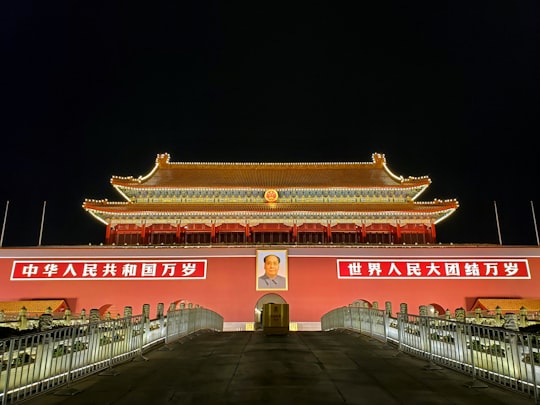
229,287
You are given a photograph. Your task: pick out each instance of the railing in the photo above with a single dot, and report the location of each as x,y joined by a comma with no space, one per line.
505,357
38,362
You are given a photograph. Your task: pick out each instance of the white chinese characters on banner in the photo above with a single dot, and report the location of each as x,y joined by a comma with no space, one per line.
433,268
108,269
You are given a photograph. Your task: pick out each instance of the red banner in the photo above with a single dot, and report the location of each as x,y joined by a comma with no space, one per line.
473,268
151,269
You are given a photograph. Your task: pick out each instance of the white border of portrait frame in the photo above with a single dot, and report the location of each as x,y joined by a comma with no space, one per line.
283,267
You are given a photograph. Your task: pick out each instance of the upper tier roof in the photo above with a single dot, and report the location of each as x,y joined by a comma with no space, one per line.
166,174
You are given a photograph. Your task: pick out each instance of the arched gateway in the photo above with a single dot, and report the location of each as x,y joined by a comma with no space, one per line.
270,298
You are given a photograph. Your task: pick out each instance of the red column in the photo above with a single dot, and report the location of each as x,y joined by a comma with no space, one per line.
143,234
178,233
108,235
398,233
433,233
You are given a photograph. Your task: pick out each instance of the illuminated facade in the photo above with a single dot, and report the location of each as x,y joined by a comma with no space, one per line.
225,278
277,203
344,232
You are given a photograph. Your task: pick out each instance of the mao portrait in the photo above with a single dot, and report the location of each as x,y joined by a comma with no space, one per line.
272,270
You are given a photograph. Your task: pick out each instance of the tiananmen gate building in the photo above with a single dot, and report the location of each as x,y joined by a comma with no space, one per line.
343,234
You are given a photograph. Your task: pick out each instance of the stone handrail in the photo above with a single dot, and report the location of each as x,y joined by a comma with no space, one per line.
499,355
58,355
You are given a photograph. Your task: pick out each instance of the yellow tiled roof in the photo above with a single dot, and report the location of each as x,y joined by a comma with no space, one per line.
221,176
507,304
269,175
32,306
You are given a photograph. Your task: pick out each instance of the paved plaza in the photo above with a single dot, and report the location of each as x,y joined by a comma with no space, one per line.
337,367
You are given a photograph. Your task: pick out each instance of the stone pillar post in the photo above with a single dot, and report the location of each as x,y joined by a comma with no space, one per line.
388,308
478,315
460,315
402,322
128,313
94,336
161,317
424,327
461,337
146,312
403,308
23,319
522,317
94,315
45,322
510,322
67,316
498,316
160,310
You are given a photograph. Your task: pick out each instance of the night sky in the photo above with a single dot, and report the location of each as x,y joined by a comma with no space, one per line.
445,90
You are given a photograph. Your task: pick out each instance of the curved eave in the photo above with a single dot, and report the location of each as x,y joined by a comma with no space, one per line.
129,207
445,214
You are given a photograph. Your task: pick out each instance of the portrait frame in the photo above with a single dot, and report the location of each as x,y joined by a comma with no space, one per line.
283,256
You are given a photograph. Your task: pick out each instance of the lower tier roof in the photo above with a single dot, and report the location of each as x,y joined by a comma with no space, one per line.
430,211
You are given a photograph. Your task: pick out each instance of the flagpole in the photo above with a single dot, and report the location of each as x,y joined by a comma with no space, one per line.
5,218
498,226
535,226
42,220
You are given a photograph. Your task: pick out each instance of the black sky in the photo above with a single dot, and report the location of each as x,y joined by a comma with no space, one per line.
446,90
